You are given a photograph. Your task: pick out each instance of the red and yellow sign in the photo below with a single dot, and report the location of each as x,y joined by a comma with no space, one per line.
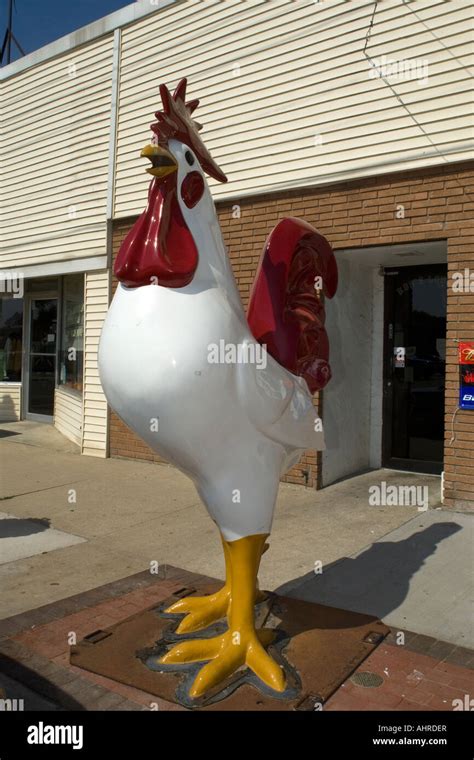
466,353
466,375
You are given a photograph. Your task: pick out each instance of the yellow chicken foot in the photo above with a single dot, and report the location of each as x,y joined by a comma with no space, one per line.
202,611
201,650
242,644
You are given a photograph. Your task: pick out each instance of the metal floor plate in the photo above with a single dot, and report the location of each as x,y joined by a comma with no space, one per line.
319,647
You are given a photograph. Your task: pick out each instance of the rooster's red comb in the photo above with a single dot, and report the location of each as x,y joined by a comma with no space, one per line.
175,121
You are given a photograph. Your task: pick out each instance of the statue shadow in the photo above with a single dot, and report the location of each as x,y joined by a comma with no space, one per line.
12,527
374,583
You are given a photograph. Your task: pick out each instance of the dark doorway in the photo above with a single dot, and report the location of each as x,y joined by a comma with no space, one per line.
414,368
41,366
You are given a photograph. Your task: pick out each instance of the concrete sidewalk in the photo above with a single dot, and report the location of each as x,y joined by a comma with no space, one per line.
134,513
419,576
130,515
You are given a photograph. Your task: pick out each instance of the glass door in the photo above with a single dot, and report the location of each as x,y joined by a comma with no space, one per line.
415,358
41,357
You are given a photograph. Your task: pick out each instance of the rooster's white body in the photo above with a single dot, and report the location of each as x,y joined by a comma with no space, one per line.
234,428
183,366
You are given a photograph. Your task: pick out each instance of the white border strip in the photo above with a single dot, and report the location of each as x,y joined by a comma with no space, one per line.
114,102
99,28
61,267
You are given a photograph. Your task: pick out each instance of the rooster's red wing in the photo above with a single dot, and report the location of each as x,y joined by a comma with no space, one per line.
286,311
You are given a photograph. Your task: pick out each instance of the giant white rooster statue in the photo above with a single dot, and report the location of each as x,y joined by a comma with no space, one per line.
234,425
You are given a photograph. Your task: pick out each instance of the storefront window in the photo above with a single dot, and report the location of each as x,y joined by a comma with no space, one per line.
11,335
72,332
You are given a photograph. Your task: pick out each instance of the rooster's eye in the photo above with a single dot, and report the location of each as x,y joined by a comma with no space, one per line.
189,157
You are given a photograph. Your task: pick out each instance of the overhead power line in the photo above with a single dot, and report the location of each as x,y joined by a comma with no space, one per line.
9,38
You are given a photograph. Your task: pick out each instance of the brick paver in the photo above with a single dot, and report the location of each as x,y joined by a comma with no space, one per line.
421,674
412,681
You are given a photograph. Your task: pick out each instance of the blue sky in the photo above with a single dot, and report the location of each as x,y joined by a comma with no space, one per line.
37,22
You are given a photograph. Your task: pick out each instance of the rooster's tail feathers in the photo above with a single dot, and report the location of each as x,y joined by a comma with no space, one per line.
286,311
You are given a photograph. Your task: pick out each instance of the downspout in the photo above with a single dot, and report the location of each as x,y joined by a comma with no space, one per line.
116,60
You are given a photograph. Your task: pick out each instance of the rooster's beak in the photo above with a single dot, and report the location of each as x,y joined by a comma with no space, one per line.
162,161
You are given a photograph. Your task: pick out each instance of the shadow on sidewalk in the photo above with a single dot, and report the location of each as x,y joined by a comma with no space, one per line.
12,527
7,433
375,582
38,684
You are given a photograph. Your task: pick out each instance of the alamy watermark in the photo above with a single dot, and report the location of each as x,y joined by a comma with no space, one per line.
467,703
399,70
237,353
385,495
12,283
463,282
42,733
10,705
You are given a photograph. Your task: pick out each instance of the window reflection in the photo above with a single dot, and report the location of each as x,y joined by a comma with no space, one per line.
11,339
72,333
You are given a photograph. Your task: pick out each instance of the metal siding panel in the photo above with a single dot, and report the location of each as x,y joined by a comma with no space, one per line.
68,415
302,73
54,209
10,403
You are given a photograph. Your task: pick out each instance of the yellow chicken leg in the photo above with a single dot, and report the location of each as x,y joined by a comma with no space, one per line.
242,644
202,611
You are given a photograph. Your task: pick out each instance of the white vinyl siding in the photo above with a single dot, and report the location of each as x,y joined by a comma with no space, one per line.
94,439
54,128
68,414
287,99
10,402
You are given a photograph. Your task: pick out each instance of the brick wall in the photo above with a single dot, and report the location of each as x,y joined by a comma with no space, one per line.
438,204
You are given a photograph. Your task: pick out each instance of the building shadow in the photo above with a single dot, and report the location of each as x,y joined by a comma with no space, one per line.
377,581
12,527
38,684
7,433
